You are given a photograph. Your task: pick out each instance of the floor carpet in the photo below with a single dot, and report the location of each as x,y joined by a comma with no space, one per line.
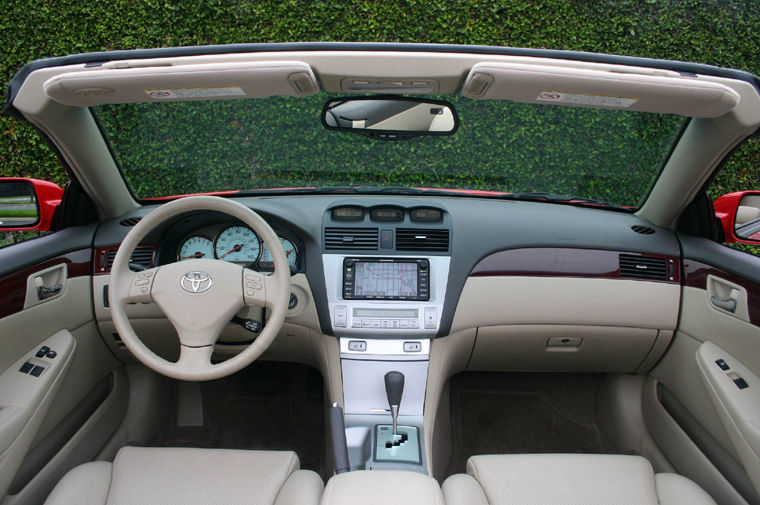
499,413
269,406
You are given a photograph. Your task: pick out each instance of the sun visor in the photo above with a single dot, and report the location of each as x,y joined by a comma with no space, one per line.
686,96
182,82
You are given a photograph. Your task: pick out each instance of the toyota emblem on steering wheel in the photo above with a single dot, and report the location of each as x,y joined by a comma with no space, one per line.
196,282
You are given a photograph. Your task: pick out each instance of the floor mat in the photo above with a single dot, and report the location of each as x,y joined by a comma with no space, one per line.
270,406
498,413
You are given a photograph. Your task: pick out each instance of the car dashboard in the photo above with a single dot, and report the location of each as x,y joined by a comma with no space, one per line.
541,286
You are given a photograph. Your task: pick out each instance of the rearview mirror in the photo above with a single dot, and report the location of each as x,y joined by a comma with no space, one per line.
390,118
27,204
739,213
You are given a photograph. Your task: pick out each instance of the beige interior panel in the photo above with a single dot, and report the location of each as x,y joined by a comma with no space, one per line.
678,372
92,363
739,409
208,81
685,456
511,300
25,399
81,448
550,85
448,355
703,322
561,348
28,328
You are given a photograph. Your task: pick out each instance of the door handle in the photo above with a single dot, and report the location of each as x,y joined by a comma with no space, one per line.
728,304
48,291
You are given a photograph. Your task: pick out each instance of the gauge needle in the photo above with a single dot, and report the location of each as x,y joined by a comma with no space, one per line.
196,255
236,248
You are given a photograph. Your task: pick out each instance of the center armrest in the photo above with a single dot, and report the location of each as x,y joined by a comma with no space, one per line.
382,487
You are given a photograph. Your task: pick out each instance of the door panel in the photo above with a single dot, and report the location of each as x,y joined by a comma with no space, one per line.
47,294
720,319
27,388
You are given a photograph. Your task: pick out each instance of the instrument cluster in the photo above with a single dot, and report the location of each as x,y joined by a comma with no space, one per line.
236,243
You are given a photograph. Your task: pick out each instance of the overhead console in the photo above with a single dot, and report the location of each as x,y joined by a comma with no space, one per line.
386,269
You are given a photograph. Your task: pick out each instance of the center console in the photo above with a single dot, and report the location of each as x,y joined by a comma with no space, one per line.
385,275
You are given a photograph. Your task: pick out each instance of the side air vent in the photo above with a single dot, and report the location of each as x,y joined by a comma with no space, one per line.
142,256
130,221
643,267
408,239
643,230
350,238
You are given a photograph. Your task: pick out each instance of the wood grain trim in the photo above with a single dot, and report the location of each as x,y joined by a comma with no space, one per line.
565,262
13,291
100,258
695,276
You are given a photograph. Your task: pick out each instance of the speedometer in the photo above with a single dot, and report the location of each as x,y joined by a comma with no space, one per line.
195,247
237,243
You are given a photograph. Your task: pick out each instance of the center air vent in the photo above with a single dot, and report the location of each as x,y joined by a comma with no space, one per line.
142,256
408,239
350,238
643,267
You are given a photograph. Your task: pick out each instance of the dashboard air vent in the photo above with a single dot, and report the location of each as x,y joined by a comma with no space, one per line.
130,221
142,256
643,230
643,267
350,238
408,239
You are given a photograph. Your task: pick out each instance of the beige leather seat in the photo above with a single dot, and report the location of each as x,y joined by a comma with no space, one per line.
568,479
167,476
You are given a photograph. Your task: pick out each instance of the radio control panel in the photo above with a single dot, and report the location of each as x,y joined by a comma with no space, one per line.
385,296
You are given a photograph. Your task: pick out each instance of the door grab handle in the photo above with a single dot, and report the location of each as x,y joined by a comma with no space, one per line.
728,304
48,291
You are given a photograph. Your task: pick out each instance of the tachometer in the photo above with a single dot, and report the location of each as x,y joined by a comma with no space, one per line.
237,243
290,252
195,247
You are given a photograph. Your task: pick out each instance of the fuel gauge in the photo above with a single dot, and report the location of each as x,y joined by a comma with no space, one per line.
290,253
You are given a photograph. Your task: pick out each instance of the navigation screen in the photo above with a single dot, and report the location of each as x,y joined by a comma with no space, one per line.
380,279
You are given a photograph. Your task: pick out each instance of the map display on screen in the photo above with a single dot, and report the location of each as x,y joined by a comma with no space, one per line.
379,279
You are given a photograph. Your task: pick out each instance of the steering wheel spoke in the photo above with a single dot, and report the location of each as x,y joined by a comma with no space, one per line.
141,285
194,359
260,290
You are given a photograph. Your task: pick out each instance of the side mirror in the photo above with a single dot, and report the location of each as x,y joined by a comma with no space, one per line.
27,204
739,213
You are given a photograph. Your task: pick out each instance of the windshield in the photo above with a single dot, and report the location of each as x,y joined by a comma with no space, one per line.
166,149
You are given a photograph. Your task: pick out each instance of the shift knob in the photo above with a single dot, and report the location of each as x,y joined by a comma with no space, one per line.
394,387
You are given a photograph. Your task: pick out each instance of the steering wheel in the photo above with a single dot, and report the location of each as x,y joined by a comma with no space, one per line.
199,296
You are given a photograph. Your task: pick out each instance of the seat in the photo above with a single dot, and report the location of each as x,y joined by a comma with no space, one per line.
568,479
167,476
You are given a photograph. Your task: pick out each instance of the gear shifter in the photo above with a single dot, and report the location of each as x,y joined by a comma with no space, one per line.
394,389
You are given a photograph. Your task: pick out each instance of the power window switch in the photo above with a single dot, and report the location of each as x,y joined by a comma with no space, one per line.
738,380
37,371
722,364
26,367
43,351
